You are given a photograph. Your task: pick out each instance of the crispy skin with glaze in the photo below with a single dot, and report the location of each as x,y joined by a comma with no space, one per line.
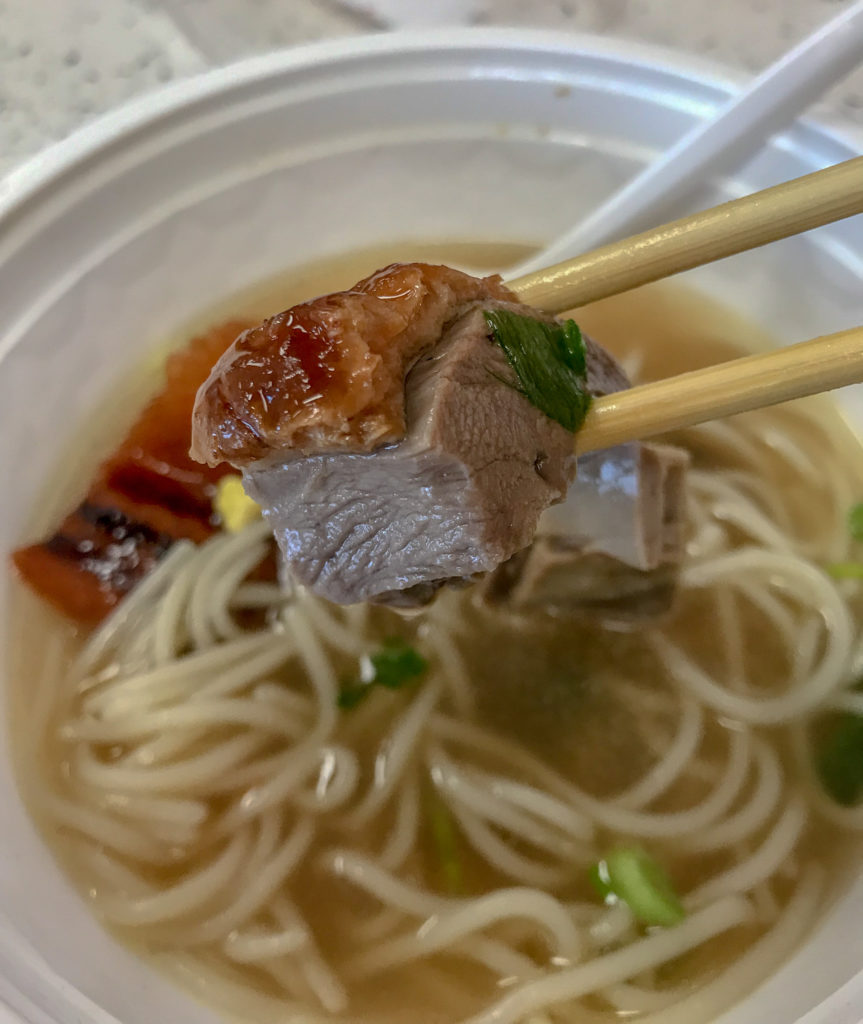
145,496
329,374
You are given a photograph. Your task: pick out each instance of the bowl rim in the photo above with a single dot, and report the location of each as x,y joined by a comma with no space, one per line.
47,167
31,182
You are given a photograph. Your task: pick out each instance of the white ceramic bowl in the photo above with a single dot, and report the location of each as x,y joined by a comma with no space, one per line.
115,237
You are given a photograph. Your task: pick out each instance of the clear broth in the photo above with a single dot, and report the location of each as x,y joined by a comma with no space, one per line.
552,689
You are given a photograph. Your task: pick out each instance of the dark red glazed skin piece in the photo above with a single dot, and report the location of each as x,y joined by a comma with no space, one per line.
148,494
93,560
329,374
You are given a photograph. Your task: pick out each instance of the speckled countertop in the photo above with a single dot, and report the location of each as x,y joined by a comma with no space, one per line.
64,61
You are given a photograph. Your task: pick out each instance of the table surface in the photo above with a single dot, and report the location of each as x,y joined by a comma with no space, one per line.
62,62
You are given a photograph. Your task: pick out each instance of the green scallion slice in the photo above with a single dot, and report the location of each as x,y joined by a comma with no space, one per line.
634,876
839,761
855,521
845,570
445,839
394,665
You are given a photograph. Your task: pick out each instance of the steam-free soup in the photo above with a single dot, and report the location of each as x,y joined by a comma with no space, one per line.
440,849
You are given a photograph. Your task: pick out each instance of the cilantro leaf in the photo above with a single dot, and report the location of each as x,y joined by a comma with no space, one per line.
394,665
352,694
550,362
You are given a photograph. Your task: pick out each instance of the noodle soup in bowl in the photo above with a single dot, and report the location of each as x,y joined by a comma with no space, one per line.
194,828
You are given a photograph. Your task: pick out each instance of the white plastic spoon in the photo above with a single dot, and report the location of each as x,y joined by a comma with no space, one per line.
770,103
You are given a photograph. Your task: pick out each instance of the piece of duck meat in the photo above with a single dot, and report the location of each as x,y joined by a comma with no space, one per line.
611,550
385,434
553,577
628,502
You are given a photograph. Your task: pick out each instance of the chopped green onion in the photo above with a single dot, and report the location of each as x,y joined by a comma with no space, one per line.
839,761
855,521
352,694
394,665
550,362
632,875
845,570
598,875
850,570
446,844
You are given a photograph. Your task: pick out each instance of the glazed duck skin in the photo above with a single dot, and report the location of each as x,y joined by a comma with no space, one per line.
328,375
145,496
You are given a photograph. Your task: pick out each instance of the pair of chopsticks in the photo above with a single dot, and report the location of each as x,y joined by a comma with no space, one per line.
735,386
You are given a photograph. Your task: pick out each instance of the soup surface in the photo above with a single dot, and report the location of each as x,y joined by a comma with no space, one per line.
431,853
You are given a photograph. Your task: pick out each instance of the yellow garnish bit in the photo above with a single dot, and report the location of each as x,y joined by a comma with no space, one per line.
235,508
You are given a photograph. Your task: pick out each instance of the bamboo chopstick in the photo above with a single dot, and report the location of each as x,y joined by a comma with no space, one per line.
723,390
808,202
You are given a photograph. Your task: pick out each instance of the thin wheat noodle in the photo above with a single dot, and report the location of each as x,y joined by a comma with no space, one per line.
169,628
204,713
185,897
365,874
630,999
321,978
663,774
104,637
754,813
393,755
507,860
267,875
455,673
103,829
621,965
757,962
487,804
538,803
256,945
613,925
402,839
199,774
504,961
170,681
213,984
766,860
672,823
336,783
814,587
167,810
445,929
